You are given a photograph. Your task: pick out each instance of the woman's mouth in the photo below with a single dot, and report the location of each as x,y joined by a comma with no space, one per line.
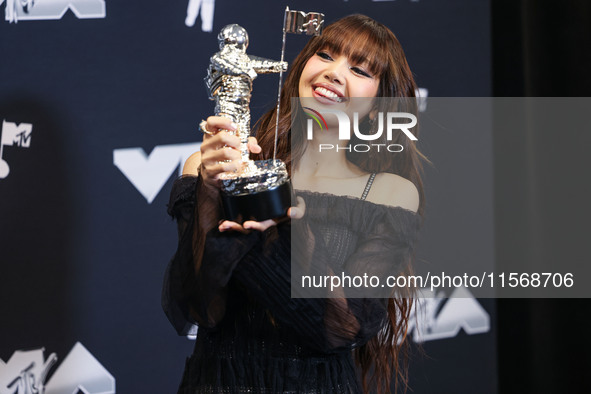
329,94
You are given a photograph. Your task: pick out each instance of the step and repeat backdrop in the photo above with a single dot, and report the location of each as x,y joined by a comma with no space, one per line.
99,106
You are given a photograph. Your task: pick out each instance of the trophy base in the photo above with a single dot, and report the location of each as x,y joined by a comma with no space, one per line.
258,206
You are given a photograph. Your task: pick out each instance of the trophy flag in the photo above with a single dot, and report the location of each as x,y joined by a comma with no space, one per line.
297,22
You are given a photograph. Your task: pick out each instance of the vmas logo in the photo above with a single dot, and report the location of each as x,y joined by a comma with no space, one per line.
434,317
12,134
26,372
149,173
28,10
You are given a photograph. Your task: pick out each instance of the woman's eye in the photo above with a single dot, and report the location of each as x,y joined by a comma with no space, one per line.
361,72
324,55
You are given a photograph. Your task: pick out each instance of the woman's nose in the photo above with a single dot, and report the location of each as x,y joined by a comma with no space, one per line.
335,72
333,77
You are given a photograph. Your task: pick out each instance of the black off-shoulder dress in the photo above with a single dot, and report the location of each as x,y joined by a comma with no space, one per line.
252,336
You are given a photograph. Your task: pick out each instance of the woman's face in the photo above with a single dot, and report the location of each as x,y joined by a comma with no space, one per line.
332,79
328,81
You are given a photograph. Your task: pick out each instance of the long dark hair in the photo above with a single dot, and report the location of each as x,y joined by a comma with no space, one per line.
361,39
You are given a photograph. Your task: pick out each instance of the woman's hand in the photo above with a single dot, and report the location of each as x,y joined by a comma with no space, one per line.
220,150
296,212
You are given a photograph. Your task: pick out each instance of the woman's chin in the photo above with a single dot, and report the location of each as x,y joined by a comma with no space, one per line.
320,103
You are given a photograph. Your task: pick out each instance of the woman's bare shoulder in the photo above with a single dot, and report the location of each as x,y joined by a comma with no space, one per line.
192,164
394,190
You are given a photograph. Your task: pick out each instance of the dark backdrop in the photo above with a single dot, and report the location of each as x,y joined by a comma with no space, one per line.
83,248
542,211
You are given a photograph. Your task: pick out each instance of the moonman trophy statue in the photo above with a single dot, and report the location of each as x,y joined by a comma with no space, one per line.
262,189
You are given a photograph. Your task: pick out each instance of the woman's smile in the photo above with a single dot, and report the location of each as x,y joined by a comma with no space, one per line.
333,79
328,92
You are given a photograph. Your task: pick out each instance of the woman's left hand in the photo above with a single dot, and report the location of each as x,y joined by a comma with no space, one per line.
293,213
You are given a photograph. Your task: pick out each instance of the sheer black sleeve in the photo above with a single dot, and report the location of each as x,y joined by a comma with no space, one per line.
196,279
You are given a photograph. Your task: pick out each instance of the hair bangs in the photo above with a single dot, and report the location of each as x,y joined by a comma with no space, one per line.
362,43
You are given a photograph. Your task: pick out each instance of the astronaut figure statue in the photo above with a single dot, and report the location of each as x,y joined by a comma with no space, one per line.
261,190
229,81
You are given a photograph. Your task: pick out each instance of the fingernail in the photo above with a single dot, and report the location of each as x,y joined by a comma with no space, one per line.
234,125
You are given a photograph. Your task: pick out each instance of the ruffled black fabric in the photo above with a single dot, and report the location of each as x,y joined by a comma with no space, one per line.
253,337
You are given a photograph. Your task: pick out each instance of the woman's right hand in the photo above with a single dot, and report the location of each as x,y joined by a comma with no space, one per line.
220,150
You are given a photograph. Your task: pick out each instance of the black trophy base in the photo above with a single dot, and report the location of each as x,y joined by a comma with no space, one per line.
259,206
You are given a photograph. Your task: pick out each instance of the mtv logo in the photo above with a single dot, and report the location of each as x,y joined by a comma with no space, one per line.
19,135
19,10
13,134
435,317
25,373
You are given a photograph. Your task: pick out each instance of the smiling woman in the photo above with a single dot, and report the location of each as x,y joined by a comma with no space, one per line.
332,78
358,214
365,46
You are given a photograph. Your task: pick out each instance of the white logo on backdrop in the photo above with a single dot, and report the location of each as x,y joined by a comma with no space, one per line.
206,7
25,373
422,94
435,318
149,173
13,134
28,10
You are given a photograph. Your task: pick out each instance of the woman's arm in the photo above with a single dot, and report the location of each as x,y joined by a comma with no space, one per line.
195,287
193,290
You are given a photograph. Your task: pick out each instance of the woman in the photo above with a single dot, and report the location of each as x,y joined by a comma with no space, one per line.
233,279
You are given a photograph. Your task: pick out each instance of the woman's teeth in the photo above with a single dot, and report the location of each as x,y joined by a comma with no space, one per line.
328,94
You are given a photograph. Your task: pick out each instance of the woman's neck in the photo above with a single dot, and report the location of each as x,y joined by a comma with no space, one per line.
325,156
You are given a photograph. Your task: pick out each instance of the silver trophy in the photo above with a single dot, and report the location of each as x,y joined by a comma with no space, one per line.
262,189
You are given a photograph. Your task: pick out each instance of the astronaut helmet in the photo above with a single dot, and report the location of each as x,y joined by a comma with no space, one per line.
234,36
